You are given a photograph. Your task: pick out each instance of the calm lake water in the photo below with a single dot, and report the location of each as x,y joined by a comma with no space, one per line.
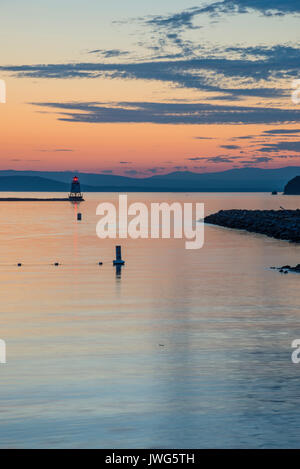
84,363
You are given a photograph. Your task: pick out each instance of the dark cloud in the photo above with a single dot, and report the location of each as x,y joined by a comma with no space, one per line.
58,150
132,172
251,77
231,97
155,170
220,159
23,160
230,147
185,47
175,21
259,159
267,7
107,171
55,150
281,147
244,137
203,138
185,18
281,131
109,53
288,156
170,113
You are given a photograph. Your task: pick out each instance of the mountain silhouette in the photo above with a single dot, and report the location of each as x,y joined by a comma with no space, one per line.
234,180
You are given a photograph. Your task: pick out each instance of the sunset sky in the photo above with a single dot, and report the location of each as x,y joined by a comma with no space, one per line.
142,88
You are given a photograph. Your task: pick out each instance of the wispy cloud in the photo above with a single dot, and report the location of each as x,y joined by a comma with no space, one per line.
180,168
185,18
222,73
281,147
155,170
230,147
220,159
215,159
109,53
170,113
23,160
203,138
282,132
243,76
258,159
56,150
132,172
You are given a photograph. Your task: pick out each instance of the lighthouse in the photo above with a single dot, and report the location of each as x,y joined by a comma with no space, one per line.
75,192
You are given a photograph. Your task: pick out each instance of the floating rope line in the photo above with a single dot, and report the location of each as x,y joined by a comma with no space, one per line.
55,264
118,262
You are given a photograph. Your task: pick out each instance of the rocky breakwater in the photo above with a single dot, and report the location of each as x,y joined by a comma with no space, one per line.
285,269
279,224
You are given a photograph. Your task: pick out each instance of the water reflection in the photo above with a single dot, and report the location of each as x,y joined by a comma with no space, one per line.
85,368
118,271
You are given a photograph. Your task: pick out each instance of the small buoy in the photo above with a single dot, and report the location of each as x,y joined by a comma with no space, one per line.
79,216
118,260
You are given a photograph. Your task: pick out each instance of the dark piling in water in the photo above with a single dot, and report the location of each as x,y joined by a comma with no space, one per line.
118,260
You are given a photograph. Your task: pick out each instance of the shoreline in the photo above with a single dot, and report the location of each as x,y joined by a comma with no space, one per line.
278,224
30,199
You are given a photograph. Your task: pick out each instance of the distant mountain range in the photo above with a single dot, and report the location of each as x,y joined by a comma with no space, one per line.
234,180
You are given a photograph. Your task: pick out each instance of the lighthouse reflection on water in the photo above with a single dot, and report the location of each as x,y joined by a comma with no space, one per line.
76,196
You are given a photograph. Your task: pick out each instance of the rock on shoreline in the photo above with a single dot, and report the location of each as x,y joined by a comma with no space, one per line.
279,224
285,269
